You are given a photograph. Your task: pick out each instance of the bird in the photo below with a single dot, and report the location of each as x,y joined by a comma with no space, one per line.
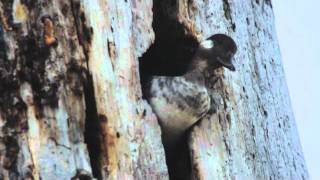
181,99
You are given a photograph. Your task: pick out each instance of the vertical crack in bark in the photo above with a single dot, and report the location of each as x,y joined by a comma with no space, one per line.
227,14
227,10
84,32
92,129
92,126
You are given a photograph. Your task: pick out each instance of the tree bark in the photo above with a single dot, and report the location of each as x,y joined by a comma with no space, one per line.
71,105
70,90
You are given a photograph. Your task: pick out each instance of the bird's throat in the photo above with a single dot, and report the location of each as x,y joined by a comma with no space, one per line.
198,64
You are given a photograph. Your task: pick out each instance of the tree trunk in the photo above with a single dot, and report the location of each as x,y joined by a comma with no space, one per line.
70,91
71,105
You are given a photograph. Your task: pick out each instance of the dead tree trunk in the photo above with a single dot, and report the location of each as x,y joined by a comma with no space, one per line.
70,91
71,105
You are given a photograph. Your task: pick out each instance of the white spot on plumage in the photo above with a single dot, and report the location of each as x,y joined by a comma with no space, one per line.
207,44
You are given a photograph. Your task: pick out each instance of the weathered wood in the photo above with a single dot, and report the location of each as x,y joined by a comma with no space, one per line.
68,67
42,95
131,137
253,134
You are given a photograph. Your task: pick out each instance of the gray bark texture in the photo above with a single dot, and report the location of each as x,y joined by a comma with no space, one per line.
71,104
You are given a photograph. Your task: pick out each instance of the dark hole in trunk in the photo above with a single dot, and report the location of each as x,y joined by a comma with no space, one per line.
170,55
172,51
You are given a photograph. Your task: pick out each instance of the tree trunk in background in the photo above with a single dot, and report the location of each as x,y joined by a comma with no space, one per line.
70,91
71,105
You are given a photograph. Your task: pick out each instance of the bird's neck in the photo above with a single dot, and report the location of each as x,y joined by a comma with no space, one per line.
197,64
195,71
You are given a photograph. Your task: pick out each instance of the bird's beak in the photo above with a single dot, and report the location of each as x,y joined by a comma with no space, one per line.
230,67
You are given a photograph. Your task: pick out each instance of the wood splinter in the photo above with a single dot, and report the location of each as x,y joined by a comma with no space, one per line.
48,32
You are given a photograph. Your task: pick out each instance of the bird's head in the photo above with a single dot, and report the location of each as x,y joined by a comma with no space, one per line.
218,50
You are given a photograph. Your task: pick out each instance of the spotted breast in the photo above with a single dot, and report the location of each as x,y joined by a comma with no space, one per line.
179,102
